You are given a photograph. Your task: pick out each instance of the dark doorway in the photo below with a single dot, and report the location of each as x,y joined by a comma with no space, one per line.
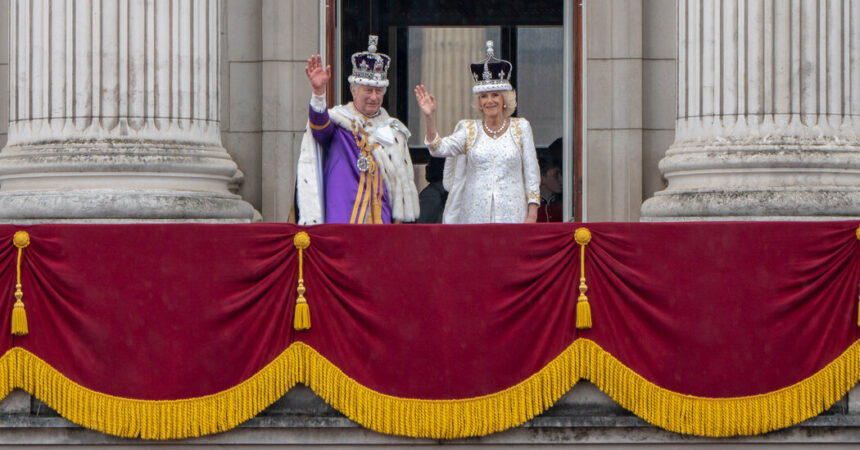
417,35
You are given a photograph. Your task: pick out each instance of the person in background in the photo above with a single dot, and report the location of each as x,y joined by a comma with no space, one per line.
432,198
354,165
550,209
494,166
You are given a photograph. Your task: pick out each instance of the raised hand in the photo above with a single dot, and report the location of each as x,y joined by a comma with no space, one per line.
427,103
317,75
425,99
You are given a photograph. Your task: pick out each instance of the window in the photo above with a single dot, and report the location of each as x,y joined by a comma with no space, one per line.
433,43
539,88
439,57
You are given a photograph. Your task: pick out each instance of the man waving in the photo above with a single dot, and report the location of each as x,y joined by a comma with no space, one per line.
354,165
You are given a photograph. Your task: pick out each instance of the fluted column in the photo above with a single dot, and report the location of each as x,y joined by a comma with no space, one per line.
114,113
768,112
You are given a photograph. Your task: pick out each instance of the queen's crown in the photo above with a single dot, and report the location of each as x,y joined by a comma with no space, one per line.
491,74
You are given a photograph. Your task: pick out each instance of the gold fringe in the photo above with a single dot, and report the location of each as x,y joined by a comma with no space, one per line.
438,419
151,419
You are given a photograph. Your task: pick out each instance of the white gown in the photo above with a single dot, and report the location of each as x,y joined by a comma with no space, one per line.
494,180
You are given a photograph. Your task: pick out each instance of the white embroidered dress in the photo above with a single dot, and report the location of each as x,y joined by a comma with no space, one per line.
494,180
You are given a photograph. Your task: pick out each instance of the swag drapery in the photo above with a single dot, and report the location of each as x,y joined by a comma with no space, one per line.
170,331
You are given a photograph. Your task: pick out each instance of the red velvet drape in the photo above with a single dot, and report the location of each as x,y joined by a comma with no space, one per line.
434,312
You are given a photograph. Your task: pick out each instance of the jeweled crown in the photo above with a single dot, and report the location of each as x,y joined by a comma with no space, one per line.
370,68
491,74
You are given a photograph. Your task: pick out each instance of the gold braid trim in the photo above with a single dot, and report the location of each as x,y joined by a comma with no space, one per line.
319,127
439,419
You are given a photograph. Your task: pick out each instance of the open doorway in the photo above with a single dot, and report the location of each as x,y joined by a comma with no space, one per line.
433,43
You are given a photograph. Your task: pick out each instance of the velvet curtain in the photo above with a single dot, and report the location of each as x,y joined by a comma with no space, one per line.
170,331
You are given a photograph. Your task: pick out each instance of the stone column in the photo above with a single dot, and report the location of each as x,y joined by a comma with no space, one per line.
290,35
114,114
768,112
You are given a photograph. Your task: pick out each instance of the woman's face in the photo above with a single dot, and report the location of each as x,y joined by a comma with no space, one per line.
491,103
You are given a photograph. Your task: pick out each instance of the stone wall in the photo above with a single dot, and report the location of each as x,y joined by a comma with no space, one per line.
4,72
659,78
266,94
630,103
241,92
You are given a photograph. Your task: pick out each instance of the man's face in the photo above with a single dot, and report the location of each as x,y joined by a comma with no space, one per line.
367,99
552,180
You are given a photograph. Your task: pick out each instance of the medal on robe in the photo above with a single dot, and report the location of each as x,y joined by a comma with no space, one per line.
362,163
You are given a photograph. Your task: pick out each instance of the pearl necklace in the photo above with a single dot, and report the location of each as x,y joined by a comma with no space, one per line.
497,131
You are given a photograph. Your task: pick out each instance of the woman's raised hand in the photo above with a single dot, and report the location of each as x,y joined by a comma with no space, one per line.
317,75
426,101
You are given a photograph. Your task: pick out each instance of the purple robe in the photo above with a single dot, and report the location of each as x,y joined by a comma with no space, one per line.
340,173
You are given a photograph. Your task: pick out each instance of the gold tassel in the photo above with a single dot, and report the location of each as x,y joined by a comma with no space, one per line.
19,317
583,313
583,310
19,314
302,317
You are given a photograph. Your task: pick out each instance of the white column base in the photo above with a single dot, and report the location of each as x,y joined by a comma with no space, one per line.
112,181
123,205
755,180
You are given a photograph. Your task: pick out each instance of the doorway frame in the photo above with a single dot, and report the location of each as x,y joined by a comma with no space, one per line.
573,149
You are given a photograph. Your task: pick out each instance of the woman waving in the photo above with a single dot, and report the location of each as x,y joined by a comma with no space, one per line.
492,171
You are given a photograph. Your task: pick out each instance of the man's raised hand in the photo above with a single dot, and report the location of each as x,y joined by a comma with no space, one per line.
317,75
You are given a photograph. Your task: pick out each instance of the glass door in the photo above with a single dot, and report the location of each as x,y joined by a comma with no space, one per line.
433,43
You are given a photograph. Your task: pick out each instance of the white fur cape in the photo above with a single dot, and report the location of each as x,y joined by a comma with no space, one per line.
392,155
